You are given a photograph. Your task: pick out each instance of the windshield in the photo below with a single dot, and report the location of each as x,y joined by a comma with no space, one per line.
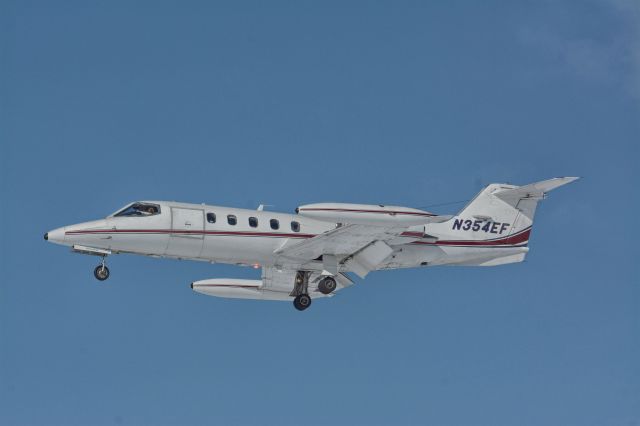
139,209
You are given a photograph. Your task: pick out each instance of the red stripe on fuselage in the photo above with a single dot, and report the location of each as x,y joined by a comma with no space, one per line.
515,239
184,231
226,285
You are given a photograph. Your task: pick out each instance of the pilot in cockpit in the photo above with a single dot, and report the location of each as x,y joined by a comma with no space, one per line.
139,209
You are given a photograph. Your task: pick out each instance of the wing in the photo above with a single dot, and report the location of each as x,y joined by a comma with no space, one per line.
342,240
357,248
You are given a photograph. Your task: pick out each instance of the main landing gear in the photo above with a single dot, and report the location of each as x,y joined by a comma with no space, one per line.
302,302
327,285
101,272
300,292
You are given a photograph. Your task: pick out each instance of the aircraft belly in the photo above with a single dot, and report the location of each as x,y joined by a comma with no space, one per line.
482,256
410,256
237,249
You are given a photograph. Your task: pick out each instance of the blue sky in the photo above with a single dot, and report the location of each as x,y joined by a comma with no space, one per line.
284,103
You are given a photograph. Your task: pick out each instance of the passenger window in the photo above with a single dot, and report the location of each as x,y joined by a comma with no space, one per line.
253,222
211,217
274,223
232,220
295,226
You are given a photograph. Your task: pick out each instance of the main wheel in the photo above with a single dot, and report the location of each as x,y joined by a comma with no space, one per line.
327,285
302,302
101,272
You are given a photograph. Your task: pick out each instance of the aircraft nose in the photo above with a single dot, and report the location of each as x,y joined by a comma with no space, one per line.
55,236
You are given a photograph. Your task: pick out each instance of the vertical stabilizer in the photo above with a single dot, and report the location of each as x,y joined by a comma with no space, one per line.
505,210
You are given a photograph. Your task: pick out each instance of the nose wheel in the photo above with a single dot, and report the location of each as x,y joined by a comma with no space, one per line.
101,272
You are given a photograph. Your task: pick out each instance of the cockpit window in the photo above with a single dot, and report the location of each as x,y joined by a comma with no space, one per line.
140,209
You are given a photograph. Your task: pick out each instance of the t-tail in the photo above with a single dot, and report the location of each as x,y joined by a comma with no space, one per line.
500,216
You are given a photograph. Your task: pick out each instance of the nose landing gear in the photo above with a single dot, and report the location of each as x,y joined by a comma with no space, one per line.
101,272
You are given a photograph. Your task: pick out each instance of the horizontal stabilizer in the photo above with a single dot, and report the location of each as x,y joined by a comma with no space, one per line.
533,190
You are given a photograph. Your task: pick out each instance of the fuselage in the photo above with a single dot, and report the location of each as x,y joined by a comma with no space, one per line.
251,237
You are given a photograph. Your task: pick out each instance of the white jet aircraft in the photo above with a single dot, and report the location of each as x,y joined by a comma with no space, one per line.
307,255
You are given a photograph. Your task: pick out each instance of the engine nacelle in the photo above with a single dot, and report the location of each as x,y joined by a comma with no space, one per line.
366,214
236,289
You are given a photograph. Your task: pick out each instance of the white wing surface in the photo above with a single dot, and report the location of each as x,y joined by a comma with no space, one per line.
345,239
358,248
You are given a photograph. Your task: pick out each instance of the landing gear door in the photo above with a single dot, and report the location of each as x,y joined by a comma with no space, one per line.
187,233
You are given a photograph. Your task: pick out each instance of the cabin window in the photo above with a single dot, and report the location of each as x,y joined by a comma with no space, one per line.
274,223
139,209
253,222
295,226
232,219
211,217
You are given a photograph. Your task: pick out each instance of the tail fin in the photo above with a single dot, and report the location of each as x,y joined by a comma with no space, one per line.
506,210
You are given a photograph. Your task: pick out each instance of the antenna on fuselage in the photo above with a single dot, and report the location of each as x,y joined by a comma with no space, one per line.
262,206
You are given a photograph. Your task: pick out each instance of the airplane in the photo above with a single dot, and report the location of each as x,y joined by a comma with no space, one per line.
309,254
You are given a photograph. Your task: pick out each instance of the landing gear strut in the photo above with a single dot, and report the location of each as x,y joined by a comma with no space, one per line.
301,291
101,272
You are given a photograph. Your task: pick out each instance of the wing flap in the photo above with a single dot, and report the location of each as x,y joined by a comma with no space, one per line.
368,258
